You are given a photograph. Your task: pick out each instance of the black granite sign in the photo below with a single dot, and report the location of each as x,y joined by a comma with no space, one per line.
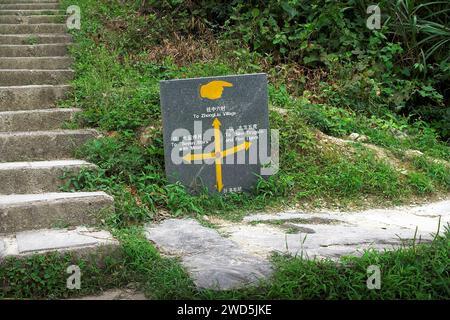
216,131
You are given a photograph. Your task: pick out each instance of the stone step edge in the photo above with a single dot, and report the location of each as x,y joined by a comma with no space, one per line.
36,86
81,240
37,165
29,12
48,132
35,24
37,45
37,35
42,111
7,201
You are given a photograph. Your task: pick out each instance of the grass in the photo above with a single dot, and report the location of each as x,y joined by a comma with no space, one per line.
418,273
117,86
415,271
136,262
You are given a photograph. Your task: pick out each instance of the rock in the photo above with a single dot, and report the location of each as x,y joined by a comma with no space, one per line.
399,134
358,137
281,111
363,138
147,135
213,262
116,294
298,228
413,153
377,229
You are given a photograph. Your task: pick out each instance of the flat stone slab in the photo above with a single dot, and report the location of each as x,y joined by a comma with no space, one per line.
30,165
213,262
61,240
116,294
11,200
333,234
52,240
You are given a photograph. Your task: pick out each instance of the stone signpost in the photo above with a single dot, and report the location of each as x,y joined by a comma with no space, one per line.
216,131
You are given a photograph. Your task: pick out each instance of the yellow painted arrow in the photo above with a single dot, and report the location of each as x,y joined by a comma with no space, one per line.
218,155
212,155
199,156
218,150
243,146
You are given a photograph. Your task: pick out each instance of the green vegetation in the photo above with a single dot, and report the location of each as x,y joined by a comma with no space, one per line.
137,262
124,50
416,272
328,73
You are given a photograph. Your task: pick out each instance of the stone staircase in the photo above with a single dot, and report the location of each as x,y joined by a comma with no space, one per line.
35,217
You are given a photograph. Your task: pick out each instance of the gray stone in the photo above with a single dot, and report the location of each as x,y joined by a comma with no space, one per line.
39,176
299,228
30,19
31,97
36,38
41,63
116,294
195,111
47,210
51,240
358,137
378,229
213,261
413,153
363,138
35,77
33,28
29,6
399,134
42,145
36,120
35,50
91,245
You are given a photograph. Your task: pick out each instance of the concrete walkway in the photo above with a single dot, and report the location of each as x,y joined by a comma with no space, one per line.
237,254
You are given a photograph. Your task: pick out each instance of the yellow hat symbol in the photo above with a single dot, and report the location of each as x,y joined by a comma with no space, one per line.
214,89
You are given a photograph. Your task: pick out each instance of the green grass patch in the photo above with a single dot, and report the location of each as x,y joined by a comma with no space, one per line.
117,86
415,271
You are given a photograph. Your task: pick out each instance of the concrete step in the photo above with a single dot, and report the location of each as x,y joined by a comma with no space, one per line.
37,177
42,145
30,6
35,38
82,242
36,50
33,63
31,97
58,28
32,19
18,12
35,77
36,120
20,212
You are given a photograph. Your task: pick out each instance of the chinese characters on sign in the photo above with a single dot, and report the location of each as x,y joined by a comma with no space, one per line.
216,131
